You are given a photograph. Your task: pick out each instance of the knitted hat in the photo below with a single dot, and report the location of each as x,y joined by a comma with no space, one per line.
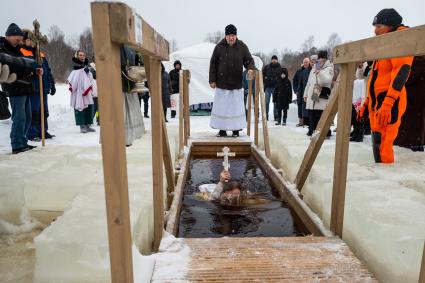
13,29
313,57
323,54
231,29
177,62
274,57
388,17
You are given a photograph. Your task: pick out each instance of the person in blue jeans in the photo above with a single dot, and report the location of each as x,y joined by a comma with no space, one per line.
271,72
19,91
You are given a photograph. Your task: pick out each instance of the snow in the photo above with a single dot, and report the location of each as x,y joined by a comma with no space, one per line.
384,220
385,204
196,58
66,178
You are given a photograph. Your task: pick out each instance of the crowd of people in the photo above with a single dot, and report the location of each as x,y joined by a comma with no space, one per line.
380,98
386,97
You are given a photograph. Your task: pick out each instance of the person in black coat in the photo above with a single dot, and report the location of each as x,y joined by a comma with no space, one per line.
18,91
271,73
166,90
175,85
301,87
282,96
296,85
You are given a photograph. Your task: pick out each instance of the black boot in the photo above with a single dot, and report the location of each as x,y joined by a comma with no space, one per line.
221,133
376,143
284,121
235,134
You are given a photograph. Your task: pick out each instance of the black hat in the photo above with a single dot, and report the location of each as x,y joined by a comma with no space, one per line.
177,62
388,17
231,29
274,57
13,29
322,54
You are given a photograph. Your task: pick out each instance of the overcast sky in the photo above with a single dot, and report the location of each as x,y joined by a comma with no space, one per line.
262,24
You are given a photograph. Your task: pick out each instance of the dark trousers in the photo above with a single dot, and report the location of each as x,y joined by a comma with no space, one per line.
282,113
21,121
84,117
145,96
300,101
35,128
314,117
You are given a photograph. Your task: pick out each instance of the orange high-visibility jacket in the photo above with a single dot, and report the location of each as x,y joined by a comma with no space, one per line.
386,83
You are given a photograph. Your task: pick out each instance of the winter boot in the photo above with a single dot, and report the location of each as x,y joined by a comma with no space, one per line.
284,121
91,130
221,133
83,129
235,134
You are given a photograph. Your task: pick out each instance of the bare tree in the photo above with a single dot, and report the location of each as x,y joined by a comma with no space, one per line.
334,40
308,44
86,43
214,37
59,54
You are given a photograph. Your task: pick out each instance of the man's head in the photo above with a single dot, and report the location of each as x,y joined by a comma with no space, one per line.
387,20
177,65
80,55
313,60
274,59
14,35
306,62
231,34
27,39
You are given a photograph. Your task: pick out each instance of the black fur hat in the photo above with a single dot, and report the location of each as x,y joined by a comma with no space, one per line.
231,29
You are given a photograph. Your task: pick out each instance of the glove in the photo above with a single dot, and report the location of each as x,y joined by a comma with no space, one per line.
383,115
250,75
363,112
5,76
53,90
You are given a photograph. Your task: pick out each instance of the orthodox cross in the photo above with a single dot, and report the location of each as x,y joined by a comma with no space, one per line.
226,153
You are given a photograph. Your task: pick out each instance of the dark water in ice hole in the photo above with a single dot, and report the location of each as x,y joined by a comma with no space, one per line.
202,219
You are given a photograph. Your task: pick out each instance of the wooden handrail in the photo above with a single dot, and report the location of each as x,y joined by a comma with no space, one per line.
409,42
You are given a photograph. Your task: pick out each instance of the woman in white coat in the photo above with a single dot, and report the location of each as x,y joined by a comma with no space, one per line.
318,89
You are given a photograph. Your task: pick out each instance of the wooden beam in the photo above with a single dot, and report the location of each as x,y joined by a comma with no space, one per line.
341,148
175,208
186,106
318,138
181,109
129,28
168,163
266,141
409,42
157,149
257,91
108,64
249,98
422,270
292,197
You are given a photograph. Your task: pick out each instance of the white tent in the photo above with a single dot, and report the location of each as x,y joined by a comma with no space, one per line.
196,58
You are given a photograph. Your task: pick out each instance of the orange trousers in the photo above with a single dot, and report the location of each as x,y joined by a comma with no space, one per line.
384,136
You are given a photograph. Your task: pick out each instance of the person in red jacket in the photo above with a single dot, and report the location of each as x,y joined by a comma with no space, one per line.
386,99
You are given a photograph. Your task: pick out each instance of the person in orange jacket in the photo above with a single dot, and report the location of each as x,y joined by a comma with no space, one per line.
386,100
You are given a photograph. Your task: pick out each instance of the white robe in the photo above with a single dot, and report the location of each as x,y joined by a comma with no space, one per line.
82,87
228,112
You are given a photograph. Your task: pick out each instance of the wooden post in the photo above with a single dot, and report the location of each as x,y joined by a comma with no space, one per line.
317,140
113,149
422,270
157,152
181,109
264,117
248,126
341,149
168,162
187,101
186,106
257,93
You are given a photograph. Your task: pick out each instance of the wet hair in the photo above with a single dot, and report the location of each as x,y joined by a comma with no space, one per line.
228,186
